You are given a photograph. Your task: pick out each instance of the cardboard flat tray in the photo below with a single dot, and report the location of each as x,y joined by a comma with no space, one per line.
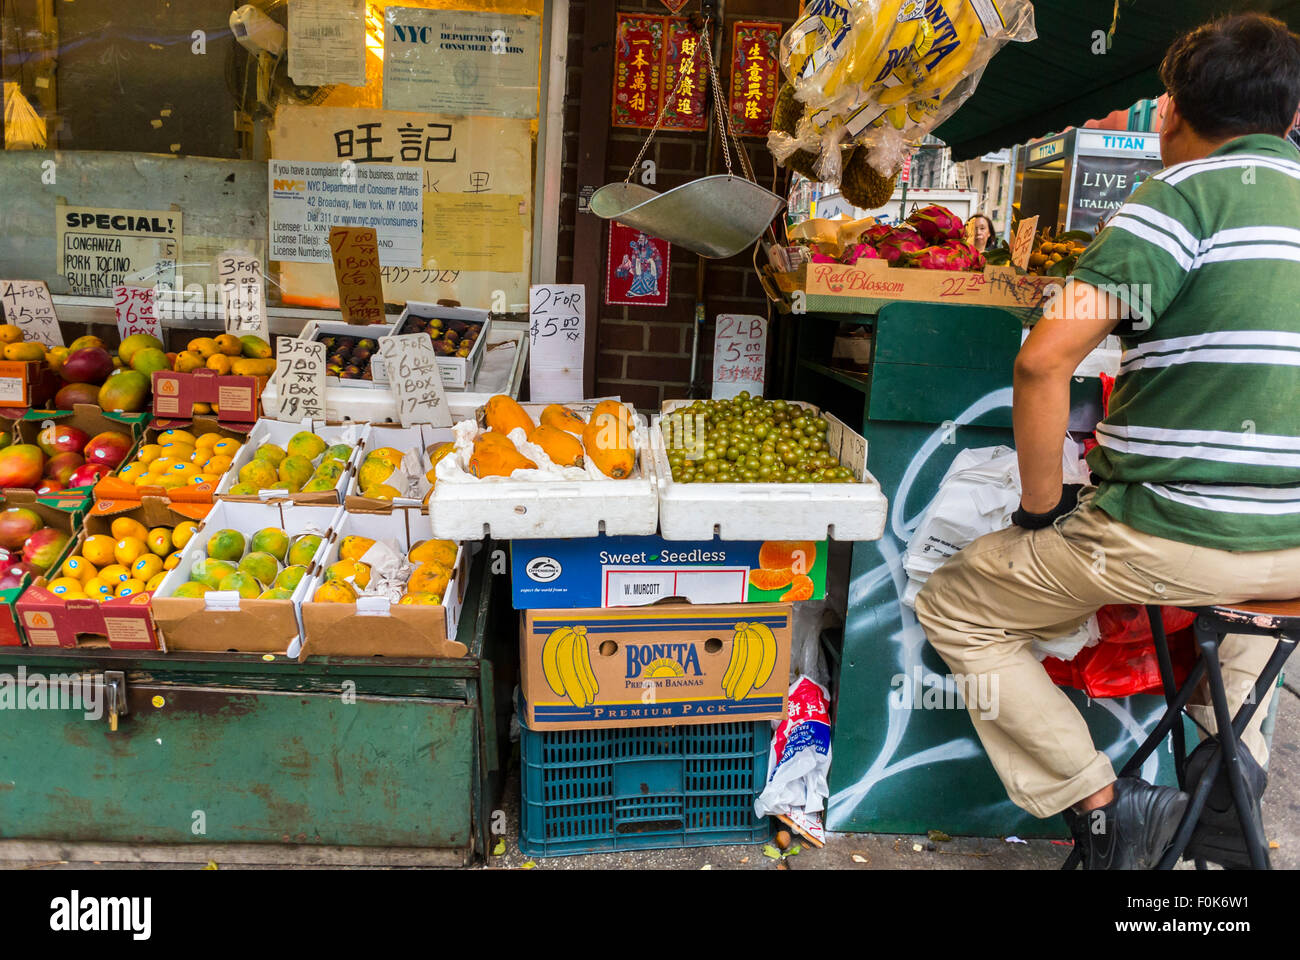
772,511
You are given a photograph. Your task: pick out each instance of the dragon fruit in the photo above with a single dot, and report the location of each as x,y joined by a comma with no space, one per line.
861,252
899,242
950,255
965,249
876,233
936,224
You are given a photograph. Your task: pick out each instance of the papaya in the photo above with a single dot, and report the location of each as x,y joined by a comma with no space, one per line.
609,445
616,407
503,414
563,448
494,458
560,416
435,455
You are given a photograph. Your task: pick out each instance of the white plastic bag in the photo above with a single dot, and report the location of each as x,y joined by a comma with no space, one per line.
978,495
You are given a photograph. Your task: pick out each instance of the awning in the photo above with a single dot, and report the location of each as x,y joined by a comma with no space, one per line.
1056,81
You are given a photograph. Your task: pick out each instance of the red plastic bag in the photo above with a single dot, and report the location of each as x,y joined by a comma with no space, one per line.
1122,669
1128,623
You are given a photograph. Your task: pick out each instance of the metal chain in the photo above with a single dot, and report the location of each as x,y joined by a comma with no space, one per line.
724,121
688,71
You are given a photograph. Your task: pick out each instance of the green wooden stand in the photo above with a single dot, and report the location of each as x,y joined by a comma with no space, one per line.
228,751
940,382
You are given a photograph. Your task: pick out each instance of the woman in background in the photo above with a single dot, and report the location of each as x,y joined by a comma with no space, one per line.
982,235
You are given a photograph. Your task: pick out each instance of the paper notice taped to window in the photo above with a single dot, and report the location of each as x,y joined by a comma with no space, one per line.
475,231
327,42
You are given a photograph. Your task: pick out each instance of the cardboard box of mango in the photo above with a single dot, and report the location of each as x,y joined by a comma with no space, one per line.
273,460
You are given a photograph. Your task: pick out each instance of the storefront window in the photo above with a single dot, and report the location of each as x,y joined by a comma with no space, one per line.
143,139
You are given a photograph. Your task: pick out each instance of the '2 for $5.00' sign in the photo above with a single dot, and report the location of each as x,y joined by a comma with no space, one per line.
414,378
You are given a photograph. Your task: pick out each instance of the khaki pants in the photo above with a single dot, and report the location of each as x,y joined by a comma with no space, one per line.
984,606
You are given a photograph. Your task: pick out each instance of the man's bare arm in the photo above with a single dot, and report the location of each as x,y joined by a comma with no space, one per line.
1081,319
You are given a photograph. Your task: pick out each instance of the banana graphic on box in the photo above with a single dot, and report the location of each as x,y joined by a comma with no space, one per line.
566,661
753,654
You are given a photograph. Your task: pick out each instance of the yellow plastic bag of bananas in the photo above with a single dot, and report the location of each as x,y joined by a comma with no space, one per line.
880,75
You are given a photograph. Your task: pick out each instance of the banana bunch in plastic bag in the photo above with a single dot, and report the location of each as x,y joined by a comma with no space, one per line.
868,79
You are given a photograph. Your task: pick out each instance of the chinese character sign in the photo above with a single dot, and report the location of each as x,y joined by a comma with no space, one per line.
755,76
636,268
649,56
638,70
687,108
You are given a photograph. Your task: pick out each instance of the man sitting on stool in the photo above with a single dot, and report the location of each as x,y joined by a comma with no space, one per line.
1198,469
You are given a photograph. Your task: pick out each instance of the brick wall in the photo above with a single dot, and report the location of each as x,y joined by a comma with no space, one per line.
643,353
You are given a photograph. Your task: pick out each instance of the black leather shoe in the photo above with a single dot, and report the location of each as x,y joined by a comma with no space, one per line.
1133,830
1218,837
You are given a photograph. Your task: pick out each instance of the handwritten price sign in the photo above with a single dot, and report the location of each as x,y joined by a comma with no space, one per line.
243,297
135,314
299,379
1023,244
414,378
557,340
355,251
27,303
739,355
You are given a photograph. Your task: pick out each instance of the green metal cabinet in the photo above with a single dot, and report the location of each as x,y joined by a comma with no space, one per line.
232,749
939,383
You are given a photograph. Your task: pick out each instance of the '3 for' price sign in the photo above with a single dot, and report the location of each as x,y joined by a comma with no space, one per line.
414,378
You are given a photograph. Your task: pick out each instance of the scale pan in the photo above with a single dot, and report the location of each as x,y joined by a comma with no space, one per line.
716,217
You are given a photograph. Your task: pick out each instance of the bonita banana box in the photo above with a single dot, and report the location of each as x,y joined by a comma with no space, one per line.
663,665
633,571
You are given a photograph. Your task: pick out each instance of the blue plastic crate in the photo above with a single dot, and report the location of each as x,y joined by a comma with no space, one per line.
642,788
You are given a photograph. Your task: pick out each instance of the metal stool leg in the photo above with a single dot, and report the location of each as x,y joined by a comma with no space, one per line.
1208,639
1166,662
1173,714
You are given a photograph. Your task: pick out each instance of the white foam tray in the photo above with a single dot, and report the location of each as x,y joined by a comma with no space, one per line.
533,510
772,511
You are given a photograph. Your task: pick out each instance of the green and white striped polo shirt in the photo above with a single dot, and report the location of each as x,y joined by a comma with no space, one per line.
1202,441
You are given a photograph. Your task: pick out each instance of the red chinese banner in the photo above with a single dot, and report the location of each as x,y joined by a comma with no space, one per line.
687,107
638,70
755,76
674,5
636,268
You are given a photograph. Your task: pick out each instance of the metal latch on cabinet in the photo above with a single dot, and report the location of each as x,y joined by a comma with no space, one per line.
114,693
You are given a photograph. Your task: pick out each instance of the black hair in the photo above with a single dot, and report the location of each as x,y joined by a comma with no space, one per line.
1236,75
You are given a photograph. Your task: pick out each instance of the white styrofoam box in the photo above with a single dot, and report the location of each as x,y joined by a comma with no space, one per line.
457,372
772,511
417,439
315,328
378,405
531,509
278,432
248,517
402,528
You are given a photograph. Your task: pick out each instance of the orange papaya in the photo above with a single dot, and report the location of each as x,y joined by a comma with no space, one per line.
563,448
608,445
493,458
503,414
559,416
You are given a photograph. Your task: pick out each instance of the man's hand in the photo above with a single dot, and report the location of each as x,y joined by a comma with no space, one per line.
1036,521
1079,319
